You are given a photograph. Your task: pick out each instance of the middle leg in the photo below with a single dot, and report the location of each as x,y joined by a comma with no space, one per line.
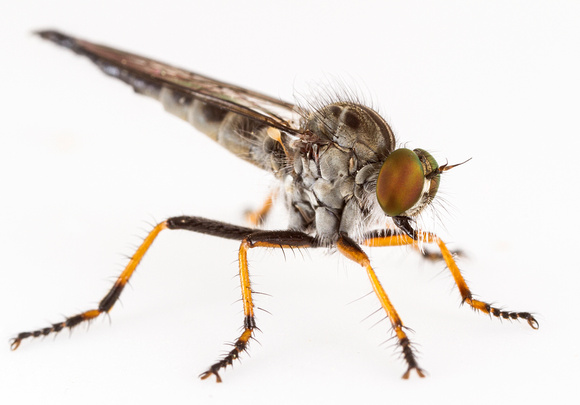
269,239
352,251
258,216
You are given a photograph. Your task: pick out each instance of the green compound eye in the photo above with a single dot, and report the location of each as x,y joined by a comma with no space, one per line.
432,172
401,182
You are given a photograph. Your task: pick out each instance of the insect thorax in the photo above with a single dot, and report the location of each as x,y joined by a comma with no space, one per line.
331,186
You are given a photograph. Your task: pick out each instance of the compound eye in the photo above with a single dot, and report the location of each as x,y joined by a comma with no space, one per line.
400,183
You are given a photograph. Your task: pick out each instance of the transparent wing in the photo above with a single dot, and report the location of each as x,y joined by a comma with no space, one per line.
147,75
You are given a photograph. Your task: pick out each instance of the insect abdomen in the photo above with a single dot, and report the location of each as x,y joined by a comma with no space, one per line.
246,138
240,135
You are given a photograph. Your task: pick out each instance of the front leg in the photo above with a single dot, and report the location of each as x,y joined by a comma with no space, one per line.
393,235
390,239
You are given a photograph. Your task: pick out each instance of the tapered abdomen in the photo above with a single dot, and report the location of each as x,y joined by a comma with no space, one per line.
244,137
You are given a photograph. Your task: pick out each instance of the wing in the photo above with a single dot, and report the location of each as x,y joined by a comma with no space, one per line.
149,77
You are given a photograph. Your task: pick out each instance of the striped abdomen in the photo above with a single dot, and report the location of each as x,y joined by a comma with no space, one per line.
244,137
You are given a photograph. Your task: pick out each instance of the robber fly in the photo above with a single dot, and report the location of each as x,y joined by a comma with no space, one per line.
341,179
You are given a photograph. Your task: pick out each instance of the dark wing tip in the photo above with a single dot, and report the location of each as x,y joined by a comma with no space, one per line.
57,38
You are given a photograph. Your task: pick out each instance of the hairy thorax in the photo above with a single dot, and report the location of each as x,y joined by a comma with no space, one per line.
324,191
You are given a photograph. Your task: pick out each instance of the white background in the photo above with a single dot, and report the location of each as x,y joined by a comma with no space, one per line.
86,166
